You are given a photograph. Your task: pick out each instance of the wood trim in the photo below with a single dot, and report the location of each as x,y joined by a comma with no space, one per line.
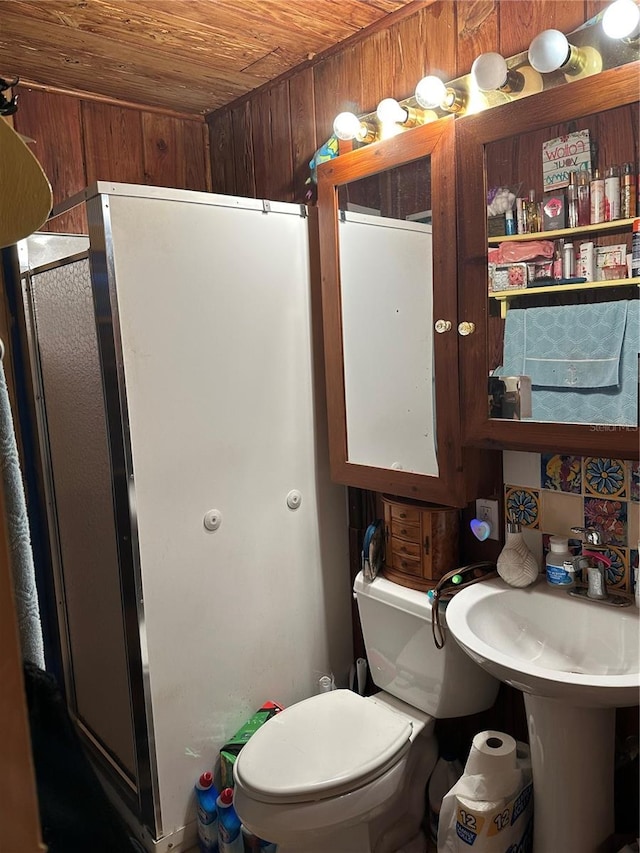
19,815
105,99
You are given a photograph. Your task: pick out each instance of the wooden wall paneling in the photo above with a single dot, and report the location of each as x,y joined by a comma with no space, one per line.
337,86
303,130
196,154
271,134
112,143
477,29
440,40
521,22
161,143
174,152
54,121
592,7
221,152
243,160
407,59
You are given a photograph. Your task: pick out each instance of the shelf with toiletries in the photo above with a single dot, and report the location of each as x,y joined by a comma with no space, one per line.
544,321
597,228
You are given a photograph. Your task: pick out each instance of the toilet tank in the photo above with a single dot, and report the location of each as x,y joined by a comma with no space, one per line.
404,660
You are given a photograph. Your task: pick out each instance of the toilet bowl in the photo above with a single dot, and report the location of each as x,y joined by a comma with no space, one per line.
343,773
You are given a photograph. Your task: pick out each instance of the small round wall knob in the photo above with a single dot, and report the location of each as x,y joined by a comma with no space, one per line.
294,499
442,326
466,328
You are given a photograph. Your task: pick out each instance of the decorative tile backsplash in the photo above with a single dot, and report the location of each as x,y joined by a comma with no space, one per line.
548,494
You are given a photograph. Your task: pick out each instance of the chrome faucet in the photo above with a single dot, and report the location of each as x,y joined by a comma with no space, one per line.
596,565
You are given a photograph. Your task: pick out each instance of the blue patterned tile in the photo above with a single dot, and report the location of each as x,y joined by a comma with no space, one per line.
523,506
561,473
604,477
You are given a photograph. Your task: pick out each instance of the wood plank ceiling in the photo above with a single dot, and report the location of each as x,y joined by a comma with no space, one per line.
191,56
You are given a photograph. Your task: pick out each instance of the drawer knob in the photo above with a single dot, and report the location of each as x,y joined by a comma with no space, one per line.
442,326
466,328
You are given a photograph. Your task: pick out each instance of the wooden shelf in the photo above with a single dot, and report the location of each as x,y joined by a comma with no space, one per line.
504,296
601,227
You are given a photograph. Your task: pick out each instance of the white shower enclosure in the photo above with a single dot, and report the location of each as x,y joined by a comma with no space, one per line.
201,550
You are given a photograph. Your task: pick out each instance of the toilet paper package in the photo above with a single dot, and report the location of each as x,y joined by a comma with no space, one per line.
490,808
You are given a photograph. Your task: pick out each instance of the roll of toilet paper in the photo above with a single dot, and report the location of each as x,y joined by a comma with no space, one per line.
491,753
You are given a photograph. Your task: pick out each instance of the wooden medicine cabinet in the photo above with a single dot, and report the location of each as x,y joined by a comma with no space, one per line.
555,335
387,223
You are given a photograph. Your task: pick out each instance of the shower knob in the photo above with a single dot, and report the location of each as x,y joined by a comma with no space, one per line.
466,328
442,326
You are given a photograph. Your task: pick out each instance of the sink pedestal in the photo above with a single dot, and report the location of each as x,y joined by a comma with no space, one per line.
572,758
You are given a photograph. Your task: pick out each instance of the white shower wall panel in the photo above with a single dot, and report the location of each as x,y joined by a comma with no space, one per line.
214,306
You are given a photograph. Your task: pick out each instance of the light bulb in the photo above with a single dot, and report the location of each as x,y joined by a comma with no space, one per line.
430,92
549,51
489,71
621,20
346,126
390,111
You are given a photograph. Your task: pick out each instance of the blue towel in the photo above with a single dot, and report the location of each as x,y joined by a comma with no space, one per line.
574,346
590,331
24,581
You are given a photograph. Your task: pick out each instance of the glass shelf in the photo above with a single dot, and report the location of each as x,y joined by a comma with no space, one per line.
504,296
601,227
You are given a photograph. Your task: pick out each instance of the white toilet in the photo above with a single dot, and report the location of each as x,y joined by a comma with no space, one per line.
340,773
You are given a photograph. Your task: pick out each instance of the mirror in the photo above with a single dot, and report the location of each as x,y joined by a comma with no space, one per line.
388,258
386,270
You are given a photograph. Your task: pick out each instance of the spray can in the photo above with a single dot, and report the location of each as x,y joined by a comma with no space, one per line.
597,198
628,192
612,194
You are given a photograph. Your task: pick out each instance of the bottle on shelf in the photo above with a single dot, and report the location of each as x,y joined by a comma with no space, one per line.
509,223
596,189
572,201
635,249
229,825
557,259
533,214
568,261
628,192
584,201
612,194
207,813
444,776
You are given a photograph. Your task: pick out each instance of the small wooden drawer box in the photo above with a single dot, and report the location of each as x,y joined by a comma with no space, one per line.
421,542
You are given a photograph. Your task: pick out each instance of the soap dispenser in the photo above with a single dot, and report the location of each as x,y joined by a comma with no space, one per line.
516,564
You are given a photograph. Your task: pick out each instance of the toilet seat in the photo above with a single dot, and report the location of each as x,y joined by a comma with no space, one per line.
322,747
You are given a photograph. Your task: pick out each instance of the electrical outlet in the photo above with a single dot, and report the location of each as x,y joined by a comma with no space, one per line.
487,510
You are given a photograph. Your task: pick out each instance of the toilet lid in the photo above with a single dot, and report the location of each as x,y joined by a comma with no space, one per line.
321,747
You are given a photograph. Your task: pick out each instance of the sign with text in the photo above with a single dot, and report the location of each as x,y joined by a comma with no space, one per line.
564,155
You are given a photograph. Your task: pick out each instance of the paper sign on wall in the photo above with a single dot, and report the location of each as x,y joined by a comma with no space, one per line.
563,155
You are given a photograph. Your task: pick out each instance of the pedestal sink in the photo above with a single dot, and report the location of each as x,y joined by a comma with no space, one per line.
576,661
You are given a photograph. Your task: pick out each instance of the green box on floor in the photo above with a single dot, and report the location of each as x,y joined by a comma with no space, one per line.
229,752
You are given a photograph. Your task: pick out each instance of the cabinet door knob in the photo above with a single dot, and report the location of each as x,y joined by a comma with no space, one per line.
466,328
442,326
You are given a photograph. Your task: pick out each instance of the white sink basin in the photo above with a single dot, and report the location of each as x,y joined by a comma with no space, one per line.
575,661
547,643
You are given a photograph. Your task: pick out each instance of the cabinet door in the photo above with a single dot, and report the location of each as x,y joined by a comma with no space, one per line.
575,343
387,243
